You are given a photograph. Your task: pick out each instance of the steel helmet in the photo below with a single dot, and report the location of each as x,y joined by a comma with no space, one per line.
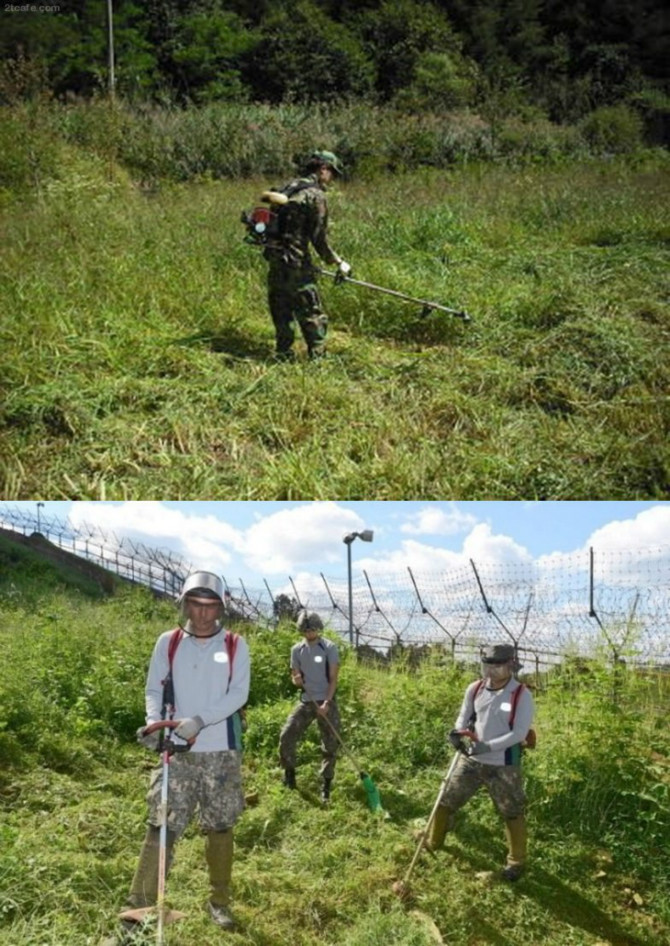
202,585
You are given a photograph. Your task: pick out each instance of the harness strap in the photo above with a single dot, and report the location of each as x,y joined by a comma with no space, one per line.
231,647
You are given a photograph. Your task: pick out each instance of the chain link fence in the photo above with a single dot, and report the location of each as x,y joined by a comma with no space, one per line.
591,603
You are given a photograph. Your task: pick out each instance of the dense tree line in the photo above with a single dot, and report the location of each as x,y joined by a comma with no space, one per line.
564,59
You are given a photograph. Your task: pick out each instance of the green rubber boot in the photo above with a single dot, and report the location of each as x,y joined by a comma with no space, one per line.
219,855
442,822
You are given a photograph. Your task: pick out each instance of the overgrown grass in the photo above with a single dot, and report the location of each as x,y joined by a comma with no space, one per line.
72,783
135,349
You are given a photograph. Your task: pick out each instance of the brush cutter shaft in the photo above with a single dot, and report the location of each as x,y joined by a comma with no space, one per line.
334,731
162,848
427,305
424,833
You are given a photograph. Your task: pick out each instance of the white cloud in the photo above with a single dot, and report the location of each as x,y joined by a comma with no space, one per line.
482,546
201,540
436,520
649,528
298,536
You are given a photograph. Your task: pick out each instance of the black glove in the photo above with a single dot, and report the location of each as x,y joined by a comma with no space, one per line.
456,738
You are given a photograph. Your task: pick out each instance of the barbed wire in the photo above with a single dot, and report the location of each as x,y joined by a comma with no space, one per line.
610,602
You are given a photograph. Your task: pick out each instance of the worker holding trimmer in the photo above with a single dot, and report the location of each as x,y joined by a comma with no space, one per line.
315,665
492,726
197,683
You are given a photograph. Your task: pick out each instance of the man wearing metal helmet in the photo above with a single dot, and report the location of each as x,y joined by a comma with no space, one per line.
205,669
315,665
302,220
493,723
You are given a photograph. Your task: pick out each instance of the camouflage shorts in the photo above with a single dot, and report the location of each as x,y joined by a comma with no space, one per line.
502,782
210,781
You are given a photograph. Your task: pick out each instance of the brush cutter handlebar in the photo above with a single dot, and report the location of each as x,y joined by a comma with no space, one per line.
457,737
168,743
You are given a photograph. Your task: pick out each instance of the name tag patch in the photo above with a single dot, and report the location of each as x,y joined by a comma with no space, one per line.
318,659
221,657
506,707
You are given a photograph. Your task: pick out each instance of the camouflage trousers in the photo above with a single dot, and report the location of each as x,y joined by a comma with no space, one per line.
293,296
502,782
294,729
209,781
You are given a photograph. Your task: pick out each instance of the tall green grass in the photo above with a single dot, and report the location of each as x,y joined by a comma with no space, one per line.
136,347
72,782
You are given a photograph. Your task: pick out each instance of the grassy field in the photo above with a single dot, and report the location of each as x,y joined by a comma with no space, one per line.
72,783
136,347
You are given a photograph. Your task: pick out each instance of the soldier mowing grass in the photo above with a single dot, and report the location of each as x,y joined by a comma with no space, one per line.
300,218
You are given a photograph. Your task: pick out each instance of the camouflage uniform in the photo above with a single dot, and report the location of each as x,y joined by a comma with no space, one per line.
294,729
210,781
502,782
292,290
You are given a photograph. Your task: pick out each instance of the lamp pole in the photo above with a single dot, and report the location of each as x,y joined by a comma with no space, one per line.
366,535
39,506
110,48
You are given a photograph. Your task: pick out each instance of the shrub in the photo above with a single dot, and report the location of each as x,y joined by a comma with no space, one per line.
615,129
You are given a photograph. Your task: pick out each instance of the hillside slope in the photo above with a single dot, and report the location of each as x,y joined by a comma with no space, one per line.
72,784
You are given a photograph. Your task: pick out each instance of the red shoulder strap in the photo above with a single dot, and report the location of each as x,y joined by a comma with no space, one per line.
515,700
231,647
173,644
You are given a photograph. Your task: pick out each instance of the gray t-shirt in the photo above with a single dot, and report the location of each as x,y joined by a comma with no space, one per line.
314,662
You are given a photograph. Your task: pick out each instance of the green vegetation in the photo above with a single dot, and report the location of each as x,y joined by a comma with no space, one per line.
498,59
136,346
72,783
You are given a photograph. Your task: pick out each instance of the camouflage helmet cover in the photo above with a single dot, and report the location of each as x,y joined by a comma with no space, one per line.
328,158
497,654
309,622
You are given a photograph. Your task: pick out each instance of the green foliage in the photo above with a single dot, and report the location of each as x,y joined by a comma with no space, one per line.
208,48
398,34
614,129
303,56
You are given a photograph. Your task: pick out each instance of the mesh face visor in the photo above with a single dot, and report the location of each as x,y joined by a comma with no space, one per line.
496,672
207,603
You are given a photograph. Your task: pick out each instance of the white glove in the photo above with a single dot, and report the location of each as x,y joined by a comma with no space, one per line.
189,728
344,268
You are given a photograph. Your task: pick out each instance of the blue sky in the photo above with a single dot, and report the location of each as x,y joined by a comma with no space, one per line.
272,540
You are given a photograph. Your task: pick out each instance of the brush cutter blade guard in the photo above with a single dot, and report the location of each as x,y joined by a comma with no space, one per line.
372,792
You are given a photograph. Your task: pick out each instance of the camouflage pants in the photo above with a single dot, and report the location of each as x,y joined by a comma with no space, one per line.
502,782
293,295
210,781
294,729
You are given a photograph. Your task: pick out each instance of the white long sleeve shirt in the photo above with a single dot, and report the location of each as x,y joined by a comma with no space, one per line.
493,710
203,686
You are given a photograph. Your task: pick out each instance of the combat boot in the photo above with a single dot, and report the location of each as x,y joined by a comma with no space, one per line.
289,778
325,790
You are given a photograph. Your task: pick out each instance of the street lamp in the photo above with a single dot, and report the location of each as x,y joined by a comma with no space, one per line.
366,535
39,506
